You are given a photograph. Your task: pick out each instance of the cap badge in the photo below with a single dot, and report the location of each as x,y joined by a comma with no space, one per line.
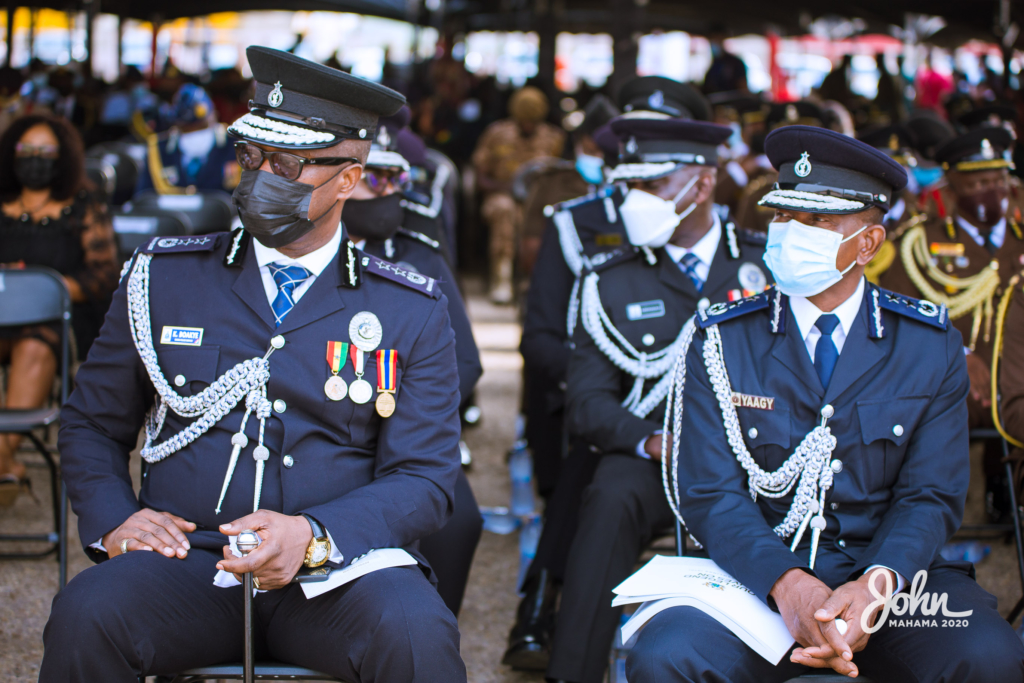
631,146
792,114
383,139
276,97
986,150
656,100
803,167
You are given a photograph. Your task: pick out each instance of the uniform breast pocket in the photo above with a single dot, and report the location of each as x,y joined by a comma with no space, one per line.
886,426
361,421
190,370
767,434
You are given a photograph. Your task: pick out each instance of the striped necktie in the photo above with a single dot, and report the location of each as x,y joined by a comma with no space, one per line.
688,264
287,277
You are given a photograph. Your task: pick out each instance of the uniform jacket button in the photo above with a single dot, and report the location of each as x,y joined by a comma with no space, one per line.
288,461
752,433
647,339
834,506
837,466
842,543
280,406
898,430
703,304
179,381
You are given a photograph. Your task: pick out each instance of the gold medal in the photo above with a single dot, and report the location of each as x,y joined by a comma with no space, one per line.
385,404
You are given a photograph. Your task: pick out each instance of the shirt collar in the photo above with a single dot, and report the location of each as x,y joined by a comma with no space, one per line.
806,314
706,246
314,261
995,236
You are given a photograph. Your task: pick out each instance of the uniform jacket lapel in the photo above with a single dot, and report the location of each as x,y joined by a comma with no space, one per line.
249,288
791,351
321,299
673,277
860,354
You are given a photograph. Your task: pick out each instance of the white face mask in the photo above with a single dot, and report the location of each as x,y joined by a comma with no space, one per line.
802,259
650,221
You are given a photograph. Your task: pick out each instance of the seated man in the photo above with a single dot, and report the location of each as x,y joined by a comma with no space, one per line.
871,386
261,421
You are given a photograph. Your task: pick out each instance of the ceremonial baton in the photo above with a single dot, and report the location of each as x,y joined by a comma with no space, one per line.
248,540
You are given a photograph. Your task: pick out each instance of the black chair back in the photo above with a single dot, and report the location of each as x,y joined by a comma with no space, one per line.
103,176
126,168
136,227
207,211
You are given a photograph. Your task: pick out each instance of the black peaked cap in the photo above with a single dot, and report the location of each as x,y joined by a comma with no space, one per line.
664,95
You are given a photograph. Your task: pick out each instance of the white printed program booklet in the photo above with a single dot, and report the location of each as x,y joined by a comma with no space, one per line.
666,582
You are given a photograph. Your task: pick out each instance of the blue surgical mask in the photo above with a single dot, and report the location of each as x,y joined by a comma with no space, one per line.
926,177
591,168
802,259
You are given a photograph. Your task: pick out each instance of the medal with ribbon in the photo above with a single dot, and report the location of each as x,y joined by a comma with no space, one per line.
360,390
335,387
387,364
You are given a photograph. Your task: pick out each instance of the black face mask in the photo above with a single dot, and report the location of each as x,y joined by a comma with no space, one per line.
374,219
34,172
275,210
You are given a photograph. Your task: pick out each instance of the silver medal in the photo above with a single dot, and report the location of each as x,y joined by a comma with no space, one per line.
335,388
365,331
360,391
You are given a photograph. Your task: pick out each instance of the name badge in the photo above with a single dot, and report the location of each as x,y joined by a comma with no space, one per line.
751,401
182,336
642,310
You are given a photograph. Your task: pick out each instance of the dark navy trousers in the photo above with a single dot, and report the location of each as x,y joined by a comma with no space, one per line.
143,613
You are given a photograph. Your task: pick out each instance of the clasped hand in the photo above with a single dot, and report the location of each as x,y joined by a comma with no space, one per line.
810,609
275,562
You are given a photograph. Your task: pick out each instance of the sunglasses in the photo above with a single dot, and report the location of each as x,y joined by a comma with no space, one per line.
49,151
288,166
380,180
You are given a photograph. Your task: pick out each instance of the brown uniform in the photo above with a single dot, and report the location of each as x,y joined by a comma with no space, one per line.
1011,367
955,254
501,150
748,214
555,185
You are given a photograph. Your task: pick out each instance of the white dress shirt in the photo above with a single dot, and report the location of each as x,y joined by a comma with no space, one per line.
806,314
996,235
704,249
314,262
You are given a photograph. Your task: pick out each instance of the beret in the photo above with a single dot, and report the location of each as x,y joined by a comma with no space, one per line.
981,149
303,104
823,171
929,132
990,115
895,140
652,146
663,95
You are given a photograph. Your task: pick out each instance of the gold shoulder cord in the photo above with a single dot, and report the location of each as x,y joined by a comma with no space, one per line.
156,167
973,295
997,351
881,262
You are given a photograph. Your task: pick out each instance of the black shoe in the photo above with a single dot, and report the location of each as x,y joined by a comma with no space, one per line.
529,646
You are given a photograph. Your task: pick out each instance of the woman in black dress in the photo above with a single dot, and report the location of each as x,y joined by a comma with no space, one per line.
48,218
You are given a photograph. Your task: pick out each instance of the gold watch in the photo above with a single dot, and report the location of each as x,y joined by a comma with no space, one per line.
319,549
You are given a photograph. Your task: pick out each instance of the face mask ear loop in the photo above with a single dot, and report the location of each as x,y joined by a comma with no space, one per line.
850,267
686,188
331,207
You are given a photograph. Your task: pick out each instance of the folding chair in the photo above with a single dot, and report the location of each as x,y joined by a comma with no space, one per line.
207,211
33,296
134,228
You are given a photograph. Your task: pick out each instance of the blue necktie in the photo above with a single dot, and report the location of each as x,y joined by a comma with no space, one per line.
688,264
825,353
287,278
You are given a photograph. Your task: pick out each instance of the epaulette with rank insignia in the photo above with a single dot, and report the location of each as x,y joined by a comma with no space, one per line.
720,312
752,236
921,310
420,237
571,203
177,245
403,276
606,260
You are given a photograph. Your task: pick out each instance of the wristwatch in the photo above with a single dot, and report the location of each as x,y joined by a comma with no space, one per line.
319,548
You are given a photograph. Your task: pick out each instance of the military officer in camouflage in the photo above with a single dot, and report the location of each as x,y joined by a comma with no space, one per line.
287,383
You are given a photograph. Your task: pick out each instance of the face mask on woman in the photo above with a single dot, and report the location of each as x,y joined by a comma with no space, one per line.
374,219
802,258
34,172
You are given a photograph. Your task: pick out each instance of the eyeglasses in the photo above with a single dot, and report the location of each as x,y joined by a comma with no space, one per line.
288,166
379,180
49,151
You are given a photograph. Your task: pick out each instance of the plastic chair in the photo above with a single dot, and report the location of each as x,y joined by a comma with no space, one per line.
126,168
207,211
103,176
136,227
34,296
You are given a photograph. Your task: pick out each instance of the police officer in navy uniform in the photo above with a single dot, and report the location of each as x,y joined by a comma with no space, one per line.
581,231
632,310
878,381
195,153
373,218
276,369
